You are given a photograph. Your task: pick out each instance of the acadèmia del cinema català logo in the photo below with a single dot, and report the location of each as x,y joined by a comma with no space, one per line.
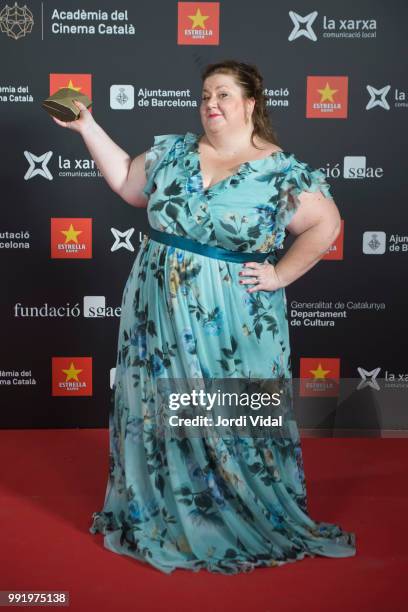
15,21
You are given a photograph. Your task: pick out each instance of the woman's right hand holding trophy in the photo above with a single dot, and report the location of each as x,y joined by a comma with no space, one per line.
84,121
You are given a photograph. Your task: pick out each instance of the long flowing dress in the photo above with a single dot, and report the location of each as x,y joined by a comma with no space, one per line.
229,504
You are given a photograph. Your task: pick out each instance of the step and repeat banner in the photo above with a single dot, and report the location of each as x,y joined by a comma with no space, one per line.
335,77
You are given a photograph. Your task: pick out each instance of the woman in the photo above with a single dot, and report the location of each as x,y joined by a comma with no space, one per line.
205,299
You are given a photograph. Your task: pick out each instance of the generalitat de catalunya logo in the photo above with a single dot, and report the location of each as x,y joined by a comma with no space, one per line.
71,238
198,23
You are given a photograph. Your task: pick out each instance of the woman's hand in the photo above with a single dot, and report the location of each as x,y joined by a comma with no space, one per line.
263,276
84,121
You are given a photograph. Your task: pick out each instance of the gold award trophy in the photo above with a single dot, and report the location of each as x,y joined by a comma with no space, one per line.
61,104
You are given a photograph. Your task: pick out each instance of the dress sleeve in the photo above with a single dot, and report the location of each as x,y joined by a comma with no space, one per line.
298,177
155,156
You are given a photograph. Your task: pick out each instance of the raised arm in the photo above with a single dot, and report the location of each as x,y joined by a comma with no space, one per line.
124,175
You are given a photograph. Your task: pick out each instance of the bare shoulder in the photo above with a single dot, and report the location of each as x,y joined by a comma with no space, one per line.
265,147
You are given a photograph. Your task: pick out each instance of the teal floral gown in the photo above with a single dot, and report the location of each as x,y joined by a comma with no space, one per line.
228,505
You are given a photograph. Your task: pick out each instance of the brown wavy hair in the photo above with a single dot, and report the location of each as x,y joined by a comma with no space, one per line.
248,77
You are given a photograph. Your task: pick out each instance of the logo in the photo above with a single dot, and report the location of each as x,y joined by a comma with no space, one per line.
377,97
16,22
71,238
319,376
122,97
98,21
355,167
332,28
395,379
299,31
126,244
95,307
78,82
33,170
326,97
368,382
198,23
71,376
374,243
335,251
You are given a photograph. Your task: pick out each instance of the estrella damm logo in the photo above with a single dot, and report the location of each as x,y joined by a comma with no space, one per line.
198,23
78,82
327,97
71,376
71,238
319,376
335,250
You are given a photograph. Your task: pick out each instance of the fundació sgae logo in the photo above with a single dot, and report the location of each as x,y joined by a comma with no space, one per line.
78,82
71,376
198,23
71,238
319,376
327,97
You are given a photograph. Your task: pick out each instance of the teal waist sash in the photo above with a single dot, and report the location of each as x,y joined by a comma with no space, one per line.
187,244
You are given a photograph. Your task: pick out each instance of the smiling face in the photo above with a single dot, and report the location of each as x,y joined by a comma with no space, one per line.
223,105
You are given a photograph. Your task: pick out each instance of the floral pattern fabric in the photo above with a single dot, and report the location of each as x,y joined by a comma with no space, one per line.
228,504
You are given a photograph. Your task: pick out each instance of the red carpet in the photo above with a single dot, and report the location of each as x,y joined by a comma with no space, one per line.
52,481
